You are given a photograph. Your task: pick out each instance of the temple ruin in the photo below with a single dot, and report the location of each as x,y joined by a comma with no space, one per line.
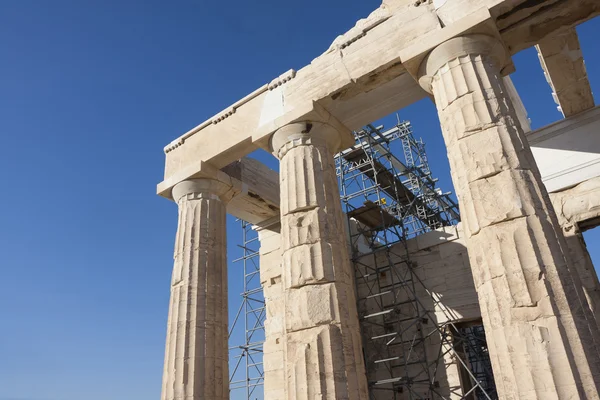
373,283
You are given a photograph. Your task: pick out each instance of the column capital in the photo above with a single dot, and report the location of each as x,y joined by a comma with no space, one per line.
199,188
303,133
458,47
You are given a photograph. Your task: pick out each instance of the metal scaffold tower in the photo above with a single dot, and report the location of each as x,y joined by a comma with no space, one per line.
388,201
246,360
407,349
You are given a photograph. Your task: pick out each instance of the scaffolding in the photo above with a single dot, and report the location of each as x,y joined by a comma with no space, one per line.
476,354
388,201
246,360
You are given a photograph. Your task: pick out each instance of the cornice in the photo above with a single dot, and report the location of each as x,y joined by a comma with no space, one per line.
282,79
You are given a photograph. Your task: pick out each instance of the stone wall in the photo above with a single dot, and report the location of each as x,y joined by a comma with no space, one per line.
270,279
439,290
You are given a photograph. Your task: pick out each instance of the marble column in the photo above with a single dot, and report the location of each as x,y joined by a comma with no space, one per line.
196,355
322,343
541,335
584,268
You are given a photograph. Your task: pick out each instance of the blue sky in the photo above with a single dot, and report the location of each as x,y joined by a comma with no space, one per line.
90,92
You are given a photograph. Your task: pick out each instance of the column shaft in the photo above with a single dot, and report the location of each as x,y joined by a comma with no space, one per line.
540,333
584,268
323,351
196,355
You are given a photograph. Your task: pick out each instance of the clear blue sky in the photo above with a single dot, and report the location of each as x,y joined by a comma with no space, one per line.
90,92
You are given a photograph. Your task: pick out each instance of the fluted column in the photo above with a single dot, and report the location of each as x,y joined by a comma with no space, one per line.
584,268
196,355
322,349
540,333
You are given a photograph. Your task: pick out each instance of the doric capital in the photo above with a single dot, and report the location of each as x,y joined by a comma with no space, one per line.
461,46
202,188
305,133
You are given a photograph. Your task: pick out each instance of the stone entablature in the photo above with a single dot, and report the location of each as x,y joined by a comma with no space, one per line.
363,81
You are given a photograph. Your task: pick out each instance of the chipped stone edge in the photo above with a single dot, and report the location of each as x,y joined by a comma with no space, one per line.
363,32
359,30
281,79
